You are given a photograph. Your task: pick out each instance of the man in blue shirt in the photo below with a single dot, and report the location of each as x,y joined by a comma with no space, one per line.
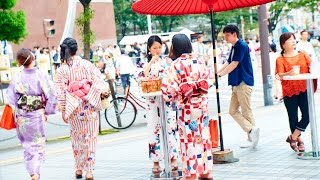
240,77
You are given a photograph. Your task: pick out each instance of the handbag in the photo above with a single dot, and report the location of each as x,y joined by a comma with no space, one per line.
105,102
213,126
7,119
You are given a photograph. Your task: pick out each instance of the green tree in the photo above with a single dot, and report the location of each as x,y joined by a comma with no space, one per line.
13,24
123,15
83,23
282,7
140,21
167,23
232,17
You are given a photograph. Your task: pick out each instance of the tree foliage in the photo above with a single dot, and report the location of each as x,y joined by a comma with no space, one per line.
7,4
127,19
282,7
123,15
234,17
83,23
166,23
13,24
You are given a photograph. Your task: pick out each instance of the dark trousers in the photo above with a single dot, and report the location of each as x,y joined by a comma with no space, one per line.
292,104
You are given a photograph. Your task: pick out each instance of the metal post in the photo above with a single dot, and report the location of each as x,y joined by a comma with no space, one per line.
216,79
149,24
115,103
48,45
242,27
312,119
164,130
99,122
265,60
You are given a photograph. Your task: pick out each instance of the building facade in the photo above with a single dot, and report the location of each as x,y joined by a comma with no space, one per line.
103,23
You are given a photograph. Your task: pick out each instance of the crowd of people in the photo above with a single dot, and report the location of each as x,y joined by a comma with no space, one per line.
185,69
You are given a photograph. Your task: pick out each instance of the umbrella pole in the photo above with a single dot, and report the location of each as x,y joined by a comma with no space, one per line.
222,156
216,79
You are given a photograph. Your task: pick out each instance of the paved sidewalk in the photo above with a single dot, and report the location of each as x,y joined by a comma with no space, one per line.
124,155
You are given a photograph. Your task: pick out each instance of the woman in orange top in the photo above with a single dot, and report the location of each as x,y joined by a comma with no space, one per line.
294,92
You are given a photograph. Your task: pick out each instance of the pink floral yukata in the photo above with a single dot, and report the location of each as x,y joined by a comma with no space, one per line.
186,84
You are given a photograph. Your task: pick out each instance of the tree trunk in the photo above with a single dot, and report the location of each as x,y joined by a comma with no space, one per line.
86,30
171,24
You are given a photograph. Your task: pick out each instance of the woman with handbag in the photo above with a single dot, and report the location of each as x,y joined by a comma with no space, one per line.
186,83
32,96
294,92
80,87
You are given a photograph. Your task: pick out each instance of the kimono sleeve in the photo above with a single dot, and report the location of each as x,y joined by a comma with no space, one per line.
205,72
61,88
50,94
170,84
98,86
12,95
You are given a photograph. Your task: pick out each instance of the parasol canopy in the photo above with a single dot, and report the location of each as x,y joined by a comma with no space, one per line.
182,7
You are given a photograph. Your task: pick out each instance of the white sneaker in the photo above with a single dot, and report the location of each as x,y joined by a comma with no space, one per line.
254,136
246,144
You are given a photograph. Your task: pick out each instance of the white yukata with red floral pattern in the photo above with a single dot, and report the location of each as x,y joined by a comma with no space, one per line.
153,118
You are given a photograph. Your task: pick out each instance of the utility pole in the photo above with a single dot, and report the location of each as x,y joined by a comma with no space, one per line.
265,60
49,31
149,24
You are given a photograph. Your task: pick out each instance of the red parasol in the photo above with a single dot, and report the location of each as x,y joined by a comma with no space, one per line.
183,7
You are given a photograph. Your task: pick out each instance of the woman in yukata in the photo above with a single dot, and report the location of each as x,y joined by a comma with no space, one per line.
32,96
186,84
154,69
80,85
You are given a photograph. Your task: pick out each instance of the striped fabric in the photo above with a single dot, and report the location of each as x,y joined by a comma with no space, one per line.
81,114
80,69
84,128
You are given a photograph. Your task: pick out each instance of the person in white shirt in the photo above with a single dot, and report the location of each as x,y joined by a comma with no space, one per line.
305,45
198,48
124,68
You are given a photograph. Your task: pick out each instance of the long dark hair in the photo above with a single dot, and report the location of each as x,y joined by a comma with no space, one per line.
152,39
283,38
180,44
69,48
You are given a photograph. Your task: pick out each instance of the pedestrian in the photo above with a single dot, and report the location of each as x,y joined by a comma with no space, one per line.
307,47
240,77
124,68
294,92
55,56
153,69
185,83
32,95
198,47
80,86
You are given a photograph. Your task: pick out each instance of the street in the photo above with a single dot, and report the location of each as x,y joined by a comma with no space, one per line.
124,155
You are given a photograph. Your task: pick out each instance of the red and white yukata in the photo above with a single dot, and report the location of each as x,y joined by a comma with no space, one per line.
186,84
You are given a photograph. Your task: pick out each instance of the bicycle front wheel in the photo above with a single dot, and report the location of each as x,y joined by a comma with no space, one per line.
121,114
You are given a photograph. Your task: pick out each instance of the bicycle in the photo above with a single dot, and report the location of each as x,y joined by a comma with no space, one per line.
123,110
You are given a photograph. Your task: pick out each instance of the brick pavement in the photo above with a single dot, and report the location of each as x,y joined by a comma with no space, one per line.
123,156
